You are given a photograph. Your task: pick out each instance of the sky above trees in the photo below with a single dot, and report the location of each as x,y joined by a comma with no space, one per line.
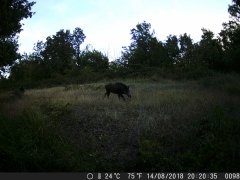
107,23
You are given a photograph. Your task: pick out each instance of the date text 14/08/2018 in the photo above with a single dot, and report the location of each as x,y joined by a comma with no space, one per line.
189,176
183,176
163,176
193,176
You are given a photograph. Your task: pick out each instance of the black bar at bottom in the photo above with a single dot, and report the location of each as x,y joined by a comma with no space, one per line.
122,176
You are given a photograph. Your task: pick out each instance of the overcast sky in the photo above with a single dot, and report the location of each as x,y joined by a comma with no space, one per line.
107,23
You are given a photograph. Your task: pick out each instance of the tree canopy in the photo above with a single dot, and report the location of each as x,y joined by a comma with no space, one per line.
145,49
12,12
60,55
230,36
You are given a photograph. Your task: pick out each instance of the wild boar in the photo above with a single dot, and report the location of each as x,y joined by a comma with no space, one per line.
117,88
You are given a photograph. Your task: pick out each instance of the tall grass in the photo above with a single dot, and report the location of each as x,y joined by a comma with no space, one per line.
166,126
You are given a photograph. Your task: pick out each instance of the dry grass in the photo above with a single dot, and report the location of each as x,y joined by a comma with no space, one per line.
160,128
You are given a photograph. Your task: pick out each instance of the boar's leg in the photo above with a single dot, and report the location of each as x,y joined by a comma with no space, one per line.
121,96
107,94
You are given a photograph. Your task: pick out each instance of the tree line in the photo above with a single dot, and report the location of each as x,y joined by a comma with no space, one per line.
60,56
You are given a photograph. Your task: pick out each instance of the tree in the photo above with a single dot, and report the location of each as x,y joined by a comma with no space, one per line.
137,54
27,70
234,10
230,36
186,49
8,50
58,53
145,50
77,39
172,47
94,59
38,48
209,51
11,14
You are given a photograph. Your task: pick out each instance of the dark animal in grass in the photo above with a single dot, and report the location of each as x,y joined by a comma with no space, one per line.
117,88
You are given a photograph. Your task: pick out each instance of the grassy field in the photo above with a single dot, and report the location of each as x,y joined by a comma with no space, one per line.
166,126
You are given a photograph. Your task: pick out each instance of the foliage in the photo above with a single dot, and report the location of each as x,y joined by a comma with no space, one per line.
58,52
172,47
186,49
55,56
28,70
77,39
11,14
230,36
234,9
8,50
54,62
94,59
145,50
59,58
209,51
